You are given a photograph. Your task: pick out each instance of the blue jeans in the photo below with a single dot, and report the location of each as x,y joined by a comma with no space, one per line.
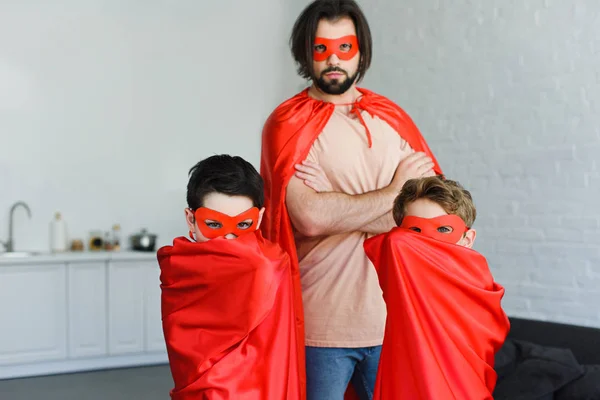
329,370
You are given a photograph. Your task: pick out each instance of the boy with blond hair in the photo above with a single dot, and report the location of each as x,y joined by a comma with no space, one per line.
444,316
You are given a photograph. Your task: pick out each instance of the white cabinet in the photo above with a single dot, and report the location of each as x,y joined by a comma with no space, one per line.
126,307
154,340
134,313
88,296
74,313
33,314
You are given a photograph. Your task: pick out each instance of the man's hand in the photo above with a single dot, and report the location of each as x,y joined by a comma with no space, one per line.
313,176
316,210
415,165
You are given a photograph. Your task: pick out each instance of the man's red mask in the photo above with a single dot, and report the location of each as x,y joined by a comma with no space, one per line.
334,46
437,227
222,224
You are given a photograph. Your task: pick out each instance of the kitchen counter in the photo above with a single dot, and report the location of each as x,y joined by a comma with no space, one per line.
76,256
79,311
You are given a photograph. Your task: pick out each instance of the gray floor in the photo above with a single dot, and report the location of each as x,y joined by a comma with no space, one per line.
147,383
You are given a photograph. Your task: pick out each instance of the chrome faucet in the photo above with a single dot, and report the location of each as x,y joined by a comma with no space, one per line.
10,243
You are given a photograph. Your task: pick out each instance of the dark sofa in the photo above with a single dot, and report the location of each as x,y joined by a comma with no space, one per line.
582,341
548,361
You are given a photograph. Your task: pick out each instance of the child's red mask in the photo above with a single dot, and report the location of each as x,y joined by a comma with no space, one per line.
333,46
222,224
435,227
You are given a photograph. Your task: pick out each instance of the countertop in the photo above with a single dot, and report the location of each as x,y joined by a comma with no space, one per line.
76,256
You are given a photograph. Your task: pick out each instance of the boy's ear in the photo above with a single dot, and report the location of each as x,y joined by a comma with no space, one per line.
468,239
260,217
190,219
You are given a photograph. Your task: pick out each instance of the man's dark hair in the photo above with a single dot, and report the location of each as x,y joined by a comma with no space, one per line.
303,34
230,175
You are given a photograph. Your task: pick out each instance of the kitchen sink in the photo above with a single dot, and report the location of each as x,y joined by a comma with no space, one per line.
20,254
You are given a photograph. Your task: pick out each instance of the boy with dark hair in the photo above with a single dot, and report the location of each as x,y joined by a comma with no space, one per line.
227,305
444,316
223,184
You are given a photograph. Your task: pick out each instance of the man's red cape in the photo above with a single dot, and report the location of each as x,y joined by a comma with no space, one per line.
444,319
228,319
286,140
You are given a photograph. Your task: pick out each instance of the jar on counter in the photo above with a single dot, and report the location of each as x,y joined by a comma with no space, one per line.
96,242
77,245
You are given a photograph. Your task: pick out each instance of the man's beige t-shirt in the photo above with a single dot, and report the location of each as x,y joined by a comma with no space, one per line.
343,303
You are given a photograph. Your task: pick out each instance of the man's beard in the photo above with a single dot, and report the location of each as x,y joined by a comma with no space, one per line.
335,86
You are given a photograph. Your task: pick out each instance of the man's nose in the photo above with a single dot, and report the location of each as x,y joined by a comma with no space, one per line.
333,60
230,236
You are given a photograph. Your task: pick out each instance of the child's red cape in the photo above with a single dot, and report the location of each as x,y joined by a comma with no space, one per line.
286,140
228,319
444,319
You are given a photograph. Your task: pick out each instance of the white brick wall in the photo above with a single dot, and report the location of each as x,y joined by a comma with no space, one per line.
508,95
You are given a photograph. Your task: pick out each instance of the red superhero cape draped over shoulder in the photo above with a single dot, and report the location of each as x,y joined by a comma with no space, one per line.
228,319
286,140
444,319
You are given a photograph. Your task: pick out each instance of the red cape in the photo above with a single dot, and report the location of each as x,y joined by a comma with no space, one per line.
228,322
286,140
444,323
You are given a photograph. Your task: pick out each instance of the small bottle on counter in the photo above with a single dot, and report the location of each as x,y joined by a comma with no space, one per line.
58,234
108,246
116,237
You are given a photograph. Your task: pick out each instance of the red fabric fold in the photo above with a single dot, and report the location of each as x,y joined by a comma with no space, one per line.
228,319
286,140
444,323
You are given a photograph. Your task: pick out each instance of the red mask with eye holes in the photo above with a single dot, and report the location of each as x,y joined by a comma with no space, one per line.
227,223
333,46
431,227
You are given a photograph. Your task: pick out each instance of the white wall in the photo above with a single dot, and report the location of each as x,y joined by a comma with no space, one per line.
106,104
508,95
